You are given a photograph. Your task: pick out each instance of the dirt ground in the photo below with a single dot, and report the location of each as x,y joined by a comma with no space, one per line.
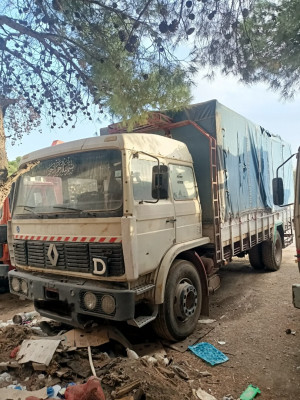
253,310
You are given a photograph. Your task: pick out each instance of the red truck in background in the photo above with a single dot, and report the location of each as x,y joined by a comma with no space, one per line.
5,264
37,192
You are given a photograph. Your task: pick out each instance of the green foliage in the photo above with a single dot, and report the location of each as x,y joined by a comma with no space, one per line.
270,45
67,59
13,165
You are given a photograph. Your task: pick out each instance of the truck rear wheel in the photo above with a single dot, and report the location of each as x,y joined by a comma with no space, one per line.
178,315
272,253
255,257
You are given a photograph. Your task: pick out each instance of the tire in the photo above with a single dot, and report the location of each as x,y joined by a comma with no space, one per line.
178,315
255,257
272,253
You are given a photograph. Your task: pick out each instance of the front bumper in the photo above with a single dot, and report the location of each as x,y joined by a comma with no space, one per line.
62,299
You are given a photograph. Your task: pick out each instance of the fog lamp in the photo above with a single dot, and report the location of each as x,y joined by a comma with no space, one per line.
15,284
24,287
90,300
108,304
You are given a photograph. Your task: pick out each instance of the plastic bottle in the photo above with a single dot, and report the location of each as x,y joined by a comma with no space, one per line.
52,391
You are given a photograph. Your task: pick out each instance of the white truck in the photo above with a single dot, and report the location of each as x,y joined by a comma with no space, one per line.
280,200
135,226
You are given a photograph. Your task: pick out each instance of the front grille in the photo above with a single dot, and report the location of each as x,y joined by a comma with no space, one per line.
71,256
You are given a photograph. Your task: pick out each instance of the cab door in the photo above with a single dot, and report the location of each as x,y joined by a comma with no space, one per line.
186,203
155,220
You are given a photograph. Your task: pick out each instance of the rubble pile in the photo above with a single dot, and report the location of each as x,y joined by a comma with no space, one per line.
41,359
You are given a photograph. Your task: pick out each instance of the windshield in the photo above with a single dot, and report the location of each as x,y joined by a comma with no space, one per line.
75,183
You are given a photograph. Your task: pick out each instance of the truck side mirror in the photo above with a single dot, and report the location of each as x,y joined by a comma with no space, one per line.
160,182
3,234
278,193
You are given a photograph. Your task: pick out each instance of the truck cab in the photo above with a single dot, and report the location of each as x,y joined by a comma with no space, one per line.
97,225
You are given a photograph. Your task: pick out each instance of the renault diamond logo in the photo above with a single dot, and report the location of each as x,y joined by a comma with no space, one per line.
52,254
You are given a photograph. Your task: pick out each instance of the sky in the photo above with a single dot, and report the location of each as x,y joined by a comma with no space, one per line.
256,102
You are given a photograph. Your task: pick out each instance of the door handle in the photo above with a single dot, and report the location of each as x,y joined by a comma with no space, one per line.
171,220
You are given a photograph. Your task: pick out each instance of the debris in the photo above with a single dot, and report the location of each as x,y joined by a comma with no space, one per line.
52,391
250,393
165,371
288,331
40,351
190,340
80,338
131,354
208,353
163,360
80,367
5,324
5,377
91,390
91,361
23,318
203,395
206,321
39,367
205,374
228,397
61,372
150,360
155,349
180,372
127,388
15,394
14,352
221,342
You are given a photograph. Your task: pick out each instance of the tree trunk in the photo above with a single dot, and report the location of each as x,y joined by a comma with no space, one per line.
3,155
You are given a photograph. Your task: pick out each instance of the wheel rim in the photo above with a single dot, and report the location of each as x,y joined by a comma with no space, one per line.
277,252
185,301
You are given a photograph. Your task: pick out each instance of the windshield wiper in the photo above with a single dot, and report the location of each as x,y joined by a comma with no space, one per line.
68,208
74,209
30,209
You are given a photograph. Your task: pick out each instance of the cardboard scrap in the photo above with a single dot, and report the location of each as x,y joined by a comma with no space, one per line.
149,349
14,394
80,338
40,351
190,340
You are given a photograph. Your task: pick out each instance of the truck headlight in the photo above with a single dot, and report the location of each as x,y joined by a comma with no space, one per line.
15,284
24,287
90,300
108,304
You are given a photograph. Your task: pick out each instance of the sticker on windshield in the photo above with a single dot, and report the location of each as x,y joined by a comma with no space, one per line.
61,167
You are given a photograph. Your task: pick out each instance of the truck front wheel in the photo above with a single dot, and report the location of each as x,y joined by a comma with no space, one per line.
178,315
272,253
